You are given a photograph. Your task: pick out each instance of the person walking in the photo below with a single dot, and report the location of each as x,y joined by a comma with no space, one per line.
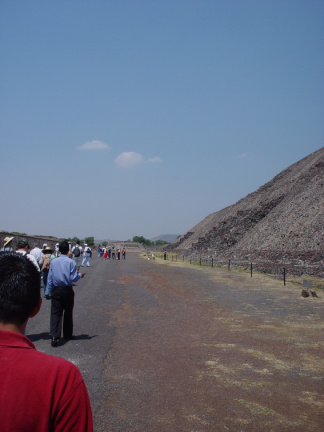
77,254
86,255
38,254
48,257
23,248
39,392
7,244
62,274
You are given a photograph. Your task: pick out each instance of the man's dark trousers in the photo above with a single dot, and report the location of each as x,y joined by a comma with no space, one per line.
62,310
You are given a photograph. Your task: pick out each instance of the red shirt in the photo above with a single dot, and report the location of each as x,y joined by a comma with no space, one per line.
40,392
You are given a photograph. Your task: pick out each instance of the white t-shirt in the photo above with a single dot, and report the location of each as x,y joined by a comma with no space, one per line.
30,257
38,254
87,251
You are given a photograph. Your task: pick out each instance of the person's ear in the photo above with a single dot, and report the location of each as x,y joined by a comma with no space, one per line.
37,308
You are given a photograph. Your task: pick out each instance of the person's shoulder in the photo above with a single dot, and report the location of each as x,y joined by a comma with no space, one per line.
56,259
71,261
32,258
57,366
63,363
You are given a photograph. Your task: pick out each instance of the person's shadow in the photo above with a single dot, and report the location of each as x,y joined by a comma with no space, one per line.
47,336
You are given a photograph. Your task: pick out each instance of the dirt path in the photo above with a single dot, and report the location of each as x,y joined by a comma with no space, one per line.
212,350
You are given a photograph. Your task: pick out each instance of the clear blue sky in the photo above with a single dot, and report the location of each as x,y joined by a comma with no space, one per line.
124,118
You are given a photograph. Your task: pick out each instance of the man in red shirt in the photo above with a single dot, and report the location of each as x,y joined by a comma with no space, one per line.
38,392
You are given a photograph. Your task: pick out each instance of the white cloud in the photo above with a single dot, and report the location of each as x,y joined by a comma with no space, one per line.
154,159
93,145
128,159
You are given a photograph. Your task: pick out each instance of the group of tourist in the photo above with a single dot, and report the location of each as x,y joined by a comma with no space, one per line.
110,252
59,268
57,383
58,273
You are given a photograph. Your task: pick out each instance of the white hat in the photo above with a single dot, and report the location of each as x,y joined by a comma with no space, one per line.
7,240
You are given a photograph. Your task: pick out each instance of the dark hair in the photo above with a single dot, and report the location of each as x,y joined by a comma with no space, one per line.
22,243
64,247
19,288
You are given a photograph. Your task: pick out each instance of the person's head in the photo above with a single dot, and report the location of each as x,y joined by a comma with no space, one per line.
47,250
23,244
19,288
64,247
78,242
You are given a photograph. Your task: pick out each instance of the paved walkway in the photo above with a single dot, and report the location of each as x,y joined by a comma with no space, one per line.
170,349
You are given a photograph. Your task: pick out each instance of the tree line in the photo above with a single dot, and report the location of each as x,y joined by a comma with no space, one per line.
147,242
136,239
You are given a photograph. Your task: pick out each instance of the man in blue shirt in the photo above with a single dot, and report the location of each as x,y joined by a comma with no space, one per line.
62,274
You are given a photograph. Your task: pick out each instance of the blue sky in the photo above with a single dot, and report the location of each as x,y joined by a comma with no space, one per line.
124,118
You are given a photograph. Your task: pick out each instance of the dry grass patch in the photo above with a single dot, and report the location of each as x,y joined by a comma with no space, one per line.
312,399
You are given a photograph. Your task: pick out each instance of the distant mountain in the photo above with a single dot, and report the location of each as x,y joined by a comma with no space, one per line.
283,218
170,238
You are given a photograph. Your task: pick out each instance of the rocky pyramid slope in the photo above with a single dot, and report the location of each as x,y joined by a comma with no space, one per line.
283,218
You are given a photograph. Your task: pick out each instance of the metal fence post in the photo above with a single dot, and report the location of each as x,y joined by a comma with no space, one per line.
251,269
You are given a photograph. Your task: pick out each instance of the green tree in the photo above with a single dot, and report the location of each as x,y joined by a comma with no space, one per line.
74,239
142,240
161,242
89,241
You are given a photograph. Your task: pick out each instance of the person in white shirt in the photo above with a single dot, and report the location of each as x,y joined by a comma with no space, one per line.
23,247
38,254
86,255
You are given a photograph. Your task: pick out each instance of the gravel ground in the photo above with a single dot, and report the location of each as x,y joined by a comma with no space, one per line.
168,348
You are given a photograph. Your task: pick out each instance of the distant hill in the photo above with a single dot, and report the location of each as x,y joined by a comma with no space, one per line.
170,238
282,219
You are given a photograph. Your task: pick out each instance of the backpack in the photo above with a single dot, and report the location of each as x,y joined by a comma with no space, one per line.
76,251
46,264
